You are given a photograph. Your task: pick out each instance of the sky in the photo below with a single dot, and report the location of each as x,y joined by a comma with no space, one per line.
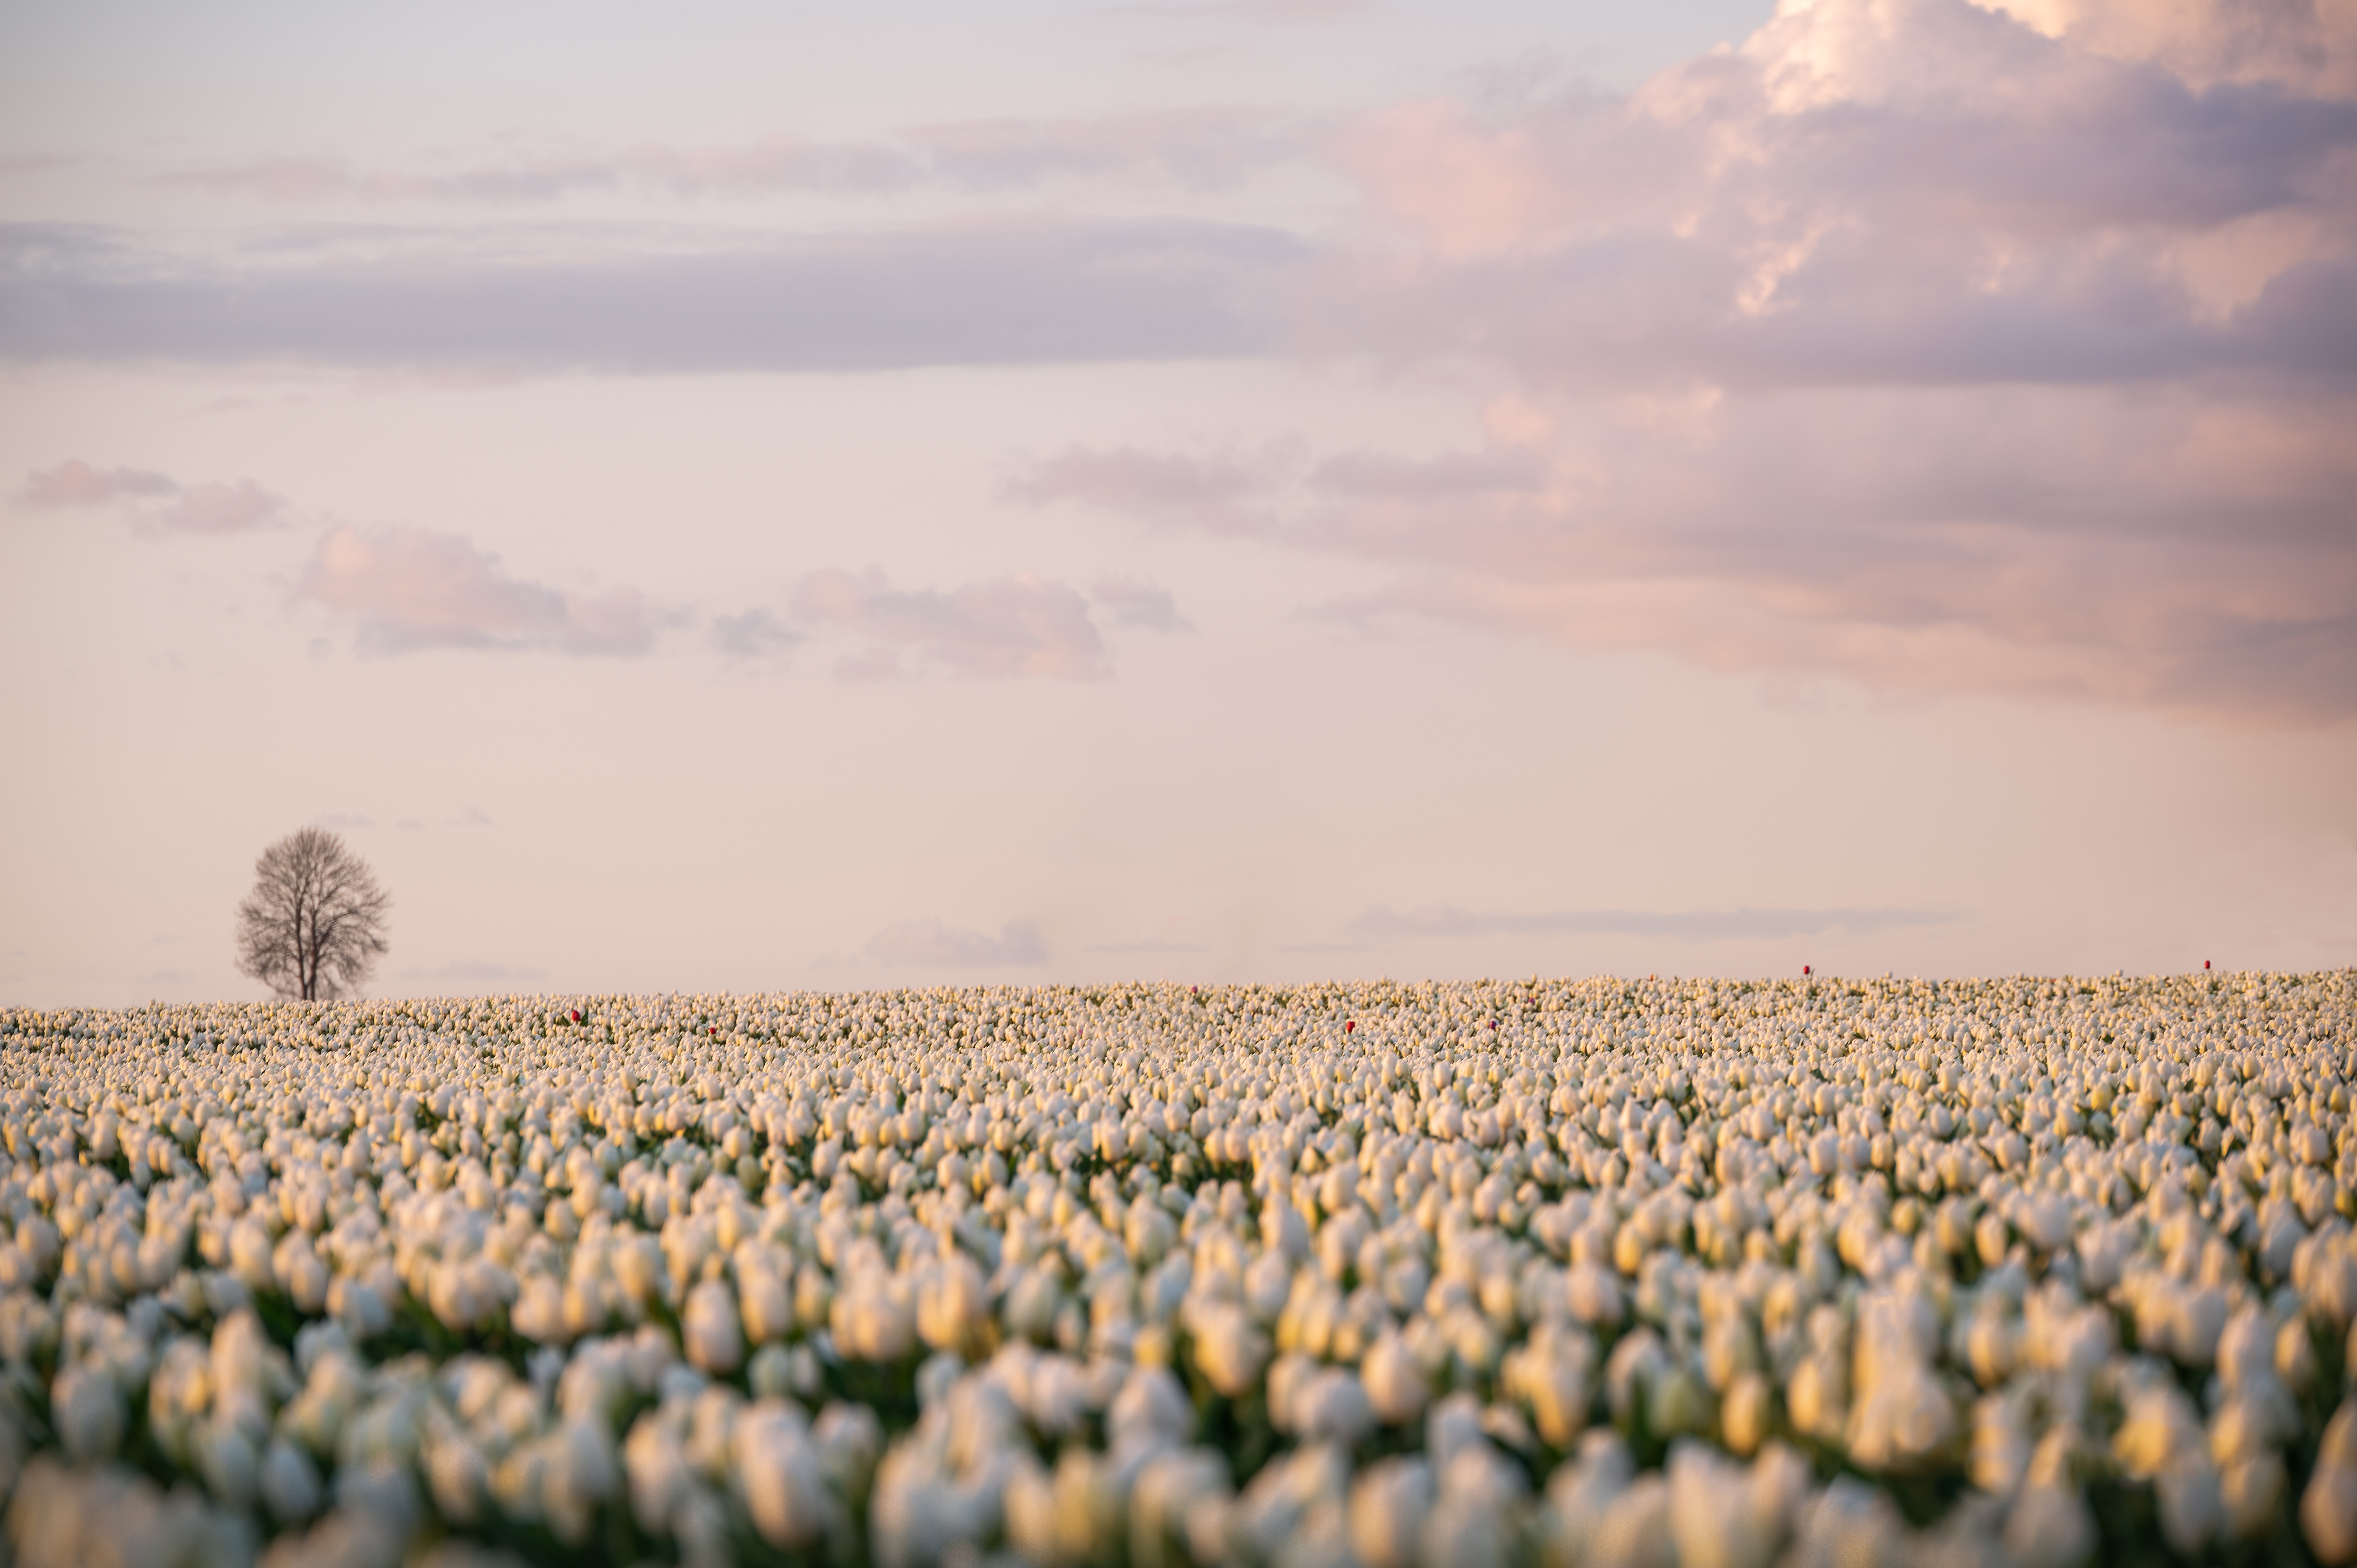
742,496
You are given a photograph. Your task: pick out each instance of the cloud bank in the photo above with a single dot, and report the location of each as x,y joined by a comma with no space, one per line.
1939,347
1191,148
626,300
2003,348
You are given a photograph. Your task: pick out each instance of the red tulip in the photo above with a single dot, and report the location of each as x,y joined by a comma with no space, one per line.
2205,963
576,1015
1805,969
1348,1025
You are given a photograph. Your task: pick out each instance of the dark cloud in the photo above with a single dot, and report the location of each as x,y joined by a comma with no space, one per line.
1010,294
1199,147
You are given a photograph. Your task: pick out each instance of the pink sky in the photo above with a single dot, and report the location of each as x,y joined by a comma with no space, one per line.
1218,490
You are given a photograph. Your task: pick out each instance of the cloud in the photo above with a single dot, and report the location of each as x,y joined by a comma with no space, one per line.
1383,926
754,634
1145,949
929,944
624,300
2047,219
410,825
472,817
1220,492
1249,11
2310,46
1953,347
164,504
1021,625
2158,549
236,508
1946,350
406,588
1193,148
1141,604
76,483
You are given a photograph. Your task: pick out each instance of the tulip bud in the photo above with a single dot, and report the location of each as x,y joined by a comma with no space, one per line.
785,1490
1230,1348
1396,1389
86,1406
713,1341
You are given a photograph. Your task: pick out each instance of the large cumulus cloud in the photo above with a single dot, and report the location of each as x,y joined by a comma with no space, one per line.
1937,346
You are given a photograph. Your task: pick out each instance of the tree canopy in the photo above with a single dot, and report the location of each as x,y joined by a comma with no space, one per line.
314,925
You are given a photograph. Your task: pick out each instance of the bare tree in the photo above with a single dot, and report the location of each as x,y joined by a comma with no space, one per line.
314,925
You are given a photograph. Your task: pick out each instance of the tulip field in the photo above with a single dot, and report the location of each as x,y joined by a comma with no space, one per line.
1589,1273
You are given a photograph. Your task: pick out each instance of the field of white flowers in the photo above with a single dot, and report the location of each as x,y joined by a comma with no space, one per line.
1588,1273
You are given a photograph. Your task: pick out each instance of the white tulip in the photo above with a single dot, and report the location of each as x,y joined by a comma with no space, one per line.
784,1487
714,1342
1388,1505
86,1404
1230,1348
289,1482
